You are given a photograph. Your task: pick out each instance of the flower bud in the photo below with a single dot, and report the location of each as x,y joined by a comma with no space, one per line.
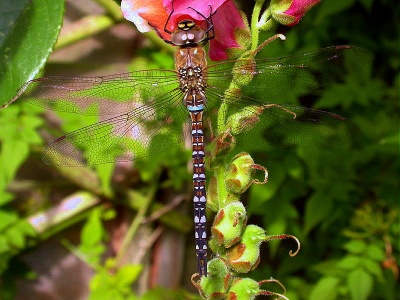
245,256
217,282
243,288
239,173
229,224
244,120
289,12
224,144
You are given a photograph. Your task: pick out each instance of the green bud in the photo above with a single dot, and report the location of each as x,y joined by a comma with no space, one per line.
248,289
243,288
229,224
244,120
239,173
245,256
217,282
224,144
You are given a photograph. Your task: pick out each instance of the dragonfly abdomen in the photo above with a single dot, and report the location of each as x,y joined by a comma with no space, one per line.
199,190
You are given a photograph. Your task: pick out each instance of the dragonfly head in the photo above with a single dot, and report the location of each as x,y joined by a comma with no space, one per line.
187,33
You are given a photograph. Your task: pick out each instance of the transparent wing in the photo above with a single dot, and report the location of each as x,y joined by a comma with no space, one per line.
276,79
283,125
147,130
280,78
103,95
152,118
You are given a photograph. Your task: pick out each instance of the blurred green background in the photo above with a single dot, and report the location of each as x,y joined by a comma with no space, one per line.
59,227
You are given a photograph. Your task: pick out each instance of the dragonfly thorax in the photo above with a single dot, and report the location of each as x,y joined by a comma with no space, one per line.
187,34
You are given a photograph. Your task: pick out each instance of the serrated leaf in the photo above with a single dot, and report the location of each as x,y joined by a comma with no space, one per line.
27,42
360,284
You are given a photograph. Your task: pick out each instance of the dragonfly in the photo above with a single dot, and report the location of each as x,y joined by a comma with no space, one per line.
147,108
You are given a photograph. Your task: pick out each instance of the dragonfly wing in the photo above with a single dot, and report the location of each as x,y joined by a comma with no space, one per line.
125,137
283,77
282,125
103,95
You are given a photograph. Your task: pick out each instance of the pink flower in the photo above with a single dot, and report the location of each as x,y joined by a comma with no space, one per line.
289,12
225,17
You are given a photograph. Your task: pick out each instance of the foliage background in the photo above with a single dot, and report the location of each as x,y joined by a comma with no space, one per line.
342,206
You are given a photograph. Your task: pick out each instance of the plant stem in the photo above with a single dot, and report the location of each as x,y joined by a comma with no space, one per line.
146,200
112,9
84,28
254,24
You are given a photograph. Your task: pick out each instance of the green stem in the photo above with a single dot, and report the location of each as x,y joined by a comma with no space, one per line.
254,24
112,9
222,112
264,18
84,28
135,223
268,25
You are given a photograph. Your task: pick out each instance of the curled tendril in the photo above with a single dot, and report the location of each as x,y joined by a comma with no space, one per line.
298,246
261,168
268,293
283,237
195,283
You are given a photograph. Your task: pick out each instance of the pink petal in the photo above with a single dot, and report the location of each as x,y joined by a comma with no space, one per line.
197,10
226,21
225,17
298,8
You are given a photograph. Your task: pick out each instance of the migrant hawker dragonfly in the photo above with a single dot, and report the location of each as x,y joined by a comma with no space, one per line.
144,105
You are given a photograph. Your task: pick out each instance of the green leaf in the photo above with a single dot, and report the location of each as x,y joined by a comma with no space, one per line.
12,155
318,208
10,11
349,262
28,41
355,246
5,197
4,246
373,267
7,218
15,238
326,289
93,231
360,284
128,274
375,252
105,171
